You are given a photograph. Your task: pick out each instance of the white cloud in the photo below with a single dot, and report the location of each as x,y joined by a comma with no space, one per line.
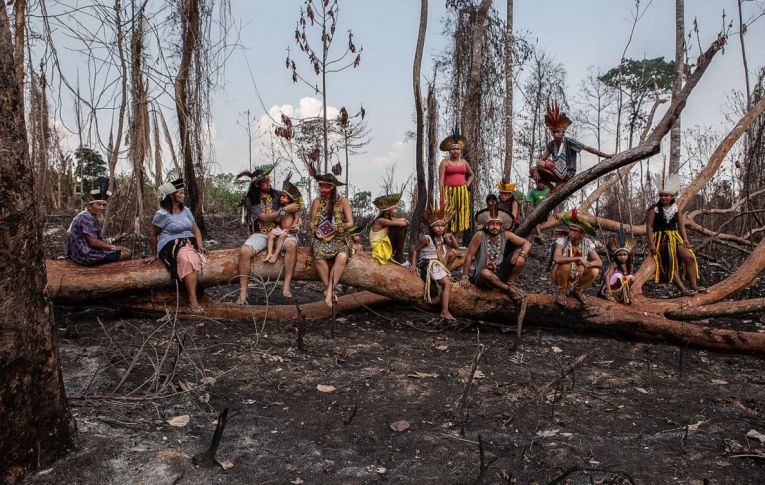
394,155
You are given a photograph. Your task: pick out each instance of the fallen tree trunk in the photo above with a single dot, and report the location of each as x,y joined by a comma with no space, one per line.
72,283
644,319
228,311
724,308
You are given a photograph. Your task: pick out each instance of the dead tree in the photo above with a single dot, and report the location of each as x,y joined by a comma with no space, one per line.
36,423
324,17
645,318
508,166
674,135
422,188
191,41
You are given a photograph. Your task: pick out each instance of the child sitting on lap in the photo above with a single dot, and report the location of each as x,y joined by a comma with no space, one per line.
286,222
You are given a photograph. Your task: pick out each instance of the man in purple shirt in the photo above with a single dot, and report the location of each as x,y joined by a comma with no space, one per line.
86,245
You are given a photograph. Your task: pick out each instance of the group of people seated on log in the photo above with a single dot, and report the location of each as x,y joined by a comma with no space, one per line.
495,253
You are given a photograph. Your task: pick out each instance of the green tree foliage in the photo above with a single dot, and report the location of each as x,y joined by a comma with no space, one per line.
90,167
361,202
224,193
639,80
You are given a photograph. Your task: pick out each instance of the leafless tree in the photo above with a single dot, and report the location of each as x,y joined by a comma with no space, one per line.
324,17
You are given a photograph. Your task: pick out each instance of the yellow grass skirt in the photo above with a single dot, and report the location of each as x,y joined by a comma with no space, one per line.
666,259
459,200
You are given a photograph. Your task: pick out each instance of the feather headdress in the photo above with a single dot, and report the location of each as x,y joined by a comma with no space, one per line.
258,173
572,219
455,138
554,119
621,242
292,190
668,185
432,215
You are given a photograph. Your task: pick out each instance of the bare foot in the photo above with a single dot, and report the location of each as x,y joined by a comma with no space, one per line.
195,308
271,259
286,292
448,316
242,300
328,298
515,293
583,299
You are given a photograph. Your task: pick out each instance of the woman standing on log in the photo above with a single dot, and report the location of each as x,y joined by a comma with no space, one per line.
388,233
454,178
176,240
668,242
331,220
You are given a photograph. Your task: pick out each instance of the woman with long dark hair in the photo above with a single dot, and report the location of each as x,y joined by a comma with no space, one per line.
668,242
332,246
176,241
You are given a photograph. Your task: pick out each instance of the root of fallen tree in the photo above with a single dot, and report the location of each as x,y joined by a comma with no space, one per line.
646,318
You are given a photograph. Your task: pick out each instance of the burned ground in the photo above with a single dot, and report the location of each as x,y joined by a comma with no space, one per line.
627,412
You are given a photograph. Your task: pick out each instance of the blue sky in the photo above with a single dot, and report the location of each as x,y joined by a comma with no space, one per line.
579,34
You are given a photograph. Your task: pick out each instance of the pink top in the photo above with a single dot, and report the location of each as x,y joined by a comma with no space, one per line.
454,175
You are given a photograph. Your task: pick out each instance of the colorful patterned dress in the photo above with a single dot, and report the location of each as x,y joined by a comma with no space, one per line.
335,238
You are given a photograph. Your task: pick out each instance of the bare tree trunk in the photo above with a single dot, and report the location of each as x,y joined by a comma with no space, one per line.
674,134
471,108
644,319
509,91
36,424
114,149
190,26
741,32
422,189
432,130
139,121
20,15
157,150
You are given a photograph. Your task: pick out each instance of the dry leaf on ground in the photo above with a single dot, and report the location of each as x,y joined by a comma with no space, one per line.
441,347
756,435
325,388
557,350
179,421
400,426
547,433
225,464
719,382
207,380
641,390
421,375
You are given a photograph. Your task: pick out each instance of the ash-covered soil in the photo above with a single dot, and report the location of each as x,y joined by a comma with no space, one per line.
380,401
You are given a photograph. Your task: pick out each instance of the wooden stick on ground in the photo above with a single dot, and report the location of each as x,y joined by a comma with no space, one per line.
471,377
207,458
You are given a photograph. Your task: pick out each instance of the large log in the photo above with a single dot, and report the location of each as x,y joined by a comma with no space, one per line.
71,283
644,319
725,308
228,311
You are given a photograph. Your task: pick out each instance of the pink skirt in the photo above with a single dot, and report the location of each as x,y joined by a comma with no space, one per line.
189,260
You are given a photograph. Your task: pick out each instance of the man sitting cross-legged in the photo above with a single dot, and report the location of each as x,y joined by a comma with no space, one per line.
499,254
576,262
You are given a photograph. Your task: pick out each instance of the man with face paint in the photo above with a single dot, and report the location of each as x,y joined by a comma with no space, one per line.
498,253
558,161
263,208
576,263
